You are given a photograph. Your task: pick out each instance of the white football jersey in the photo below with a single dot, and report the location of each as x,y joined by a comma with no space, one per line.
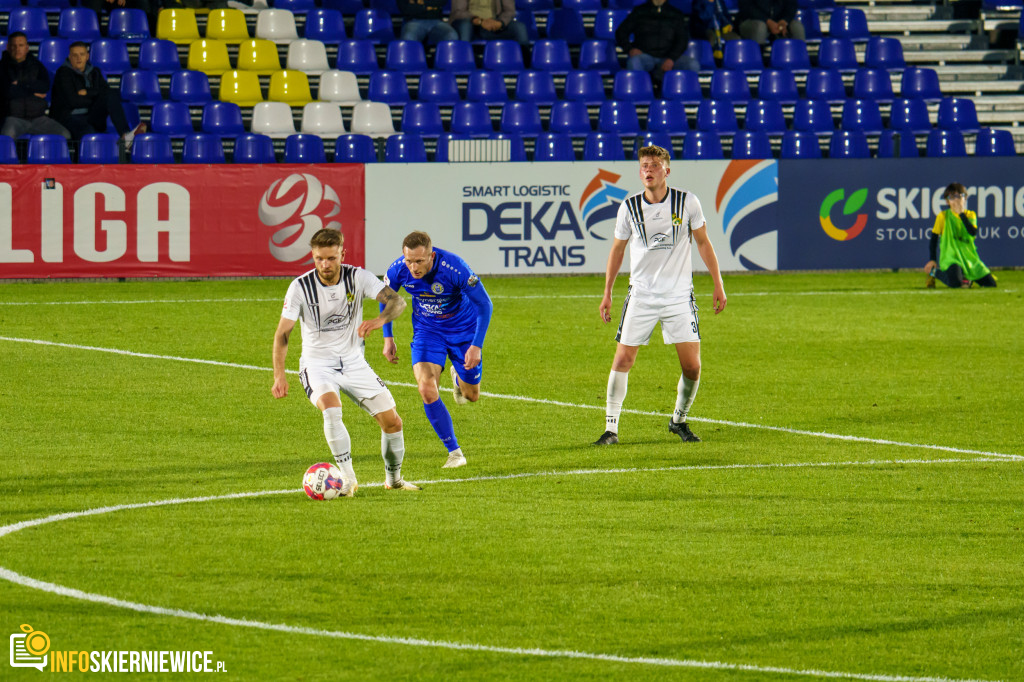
330,316
659,242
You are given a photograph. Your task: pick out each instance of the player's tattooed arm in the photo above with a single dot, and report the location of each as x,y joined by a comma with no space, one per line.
393,305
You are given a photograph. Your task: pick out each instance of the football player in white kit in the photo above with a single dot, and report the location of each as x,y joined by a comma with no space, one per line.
329,301
659,225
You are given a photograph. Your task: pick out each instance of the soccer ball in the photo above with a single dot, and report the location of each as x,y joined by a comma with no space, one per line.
322,481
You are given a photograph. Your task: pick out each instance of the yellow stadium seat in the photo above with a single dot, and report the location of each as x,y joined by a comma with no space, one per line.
177,25
240,87
259,56
227,25
291,87
209,56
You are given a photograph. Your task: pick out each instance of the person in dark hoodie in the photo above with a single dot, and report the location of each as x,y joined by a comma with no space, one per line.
764,20
24,82
423,20
82,99
654,37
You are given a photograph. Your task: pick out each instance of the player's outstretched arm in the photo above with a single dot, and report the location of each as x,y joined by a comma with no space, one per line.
280,354
611,271
392,306
707,254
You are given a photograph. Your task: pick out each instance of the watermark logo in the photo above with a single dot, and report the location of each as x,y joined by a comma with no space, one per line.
852,205
29,648
600,201
298,206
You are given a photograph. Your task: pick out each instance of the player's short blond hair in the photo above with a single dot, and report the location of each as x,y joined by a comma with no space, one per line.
326,238
414,240
658,152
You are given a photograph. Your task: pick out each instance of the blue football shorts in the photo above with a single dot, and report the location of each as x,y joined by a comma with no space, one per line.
430,346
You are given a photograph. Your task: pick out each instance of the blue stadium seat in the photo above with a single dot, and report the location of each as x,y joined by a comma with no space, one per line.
717,116
884,53
78,23
813,116
472,118
518,147
522,118
633,86
455,56
202,148
8,151
701,51
31,21
487,86
729,85
140,87
994,142
190,87
778,85
48,149
295,6
389,87
598,55
422,118
389,6
618,117
766,116
566,24
158,55
849,22
171,118
110,56
536,5
800,144
849,144
570,118
536,86
897,143
920,83
682,85
606,21
223,118
663,140
837,53
863,115
812,25
667,116
373,25
254,148
603,146
355,148
790,54
503,56
53,52
551,55
405,148
325,25
99,148
943,142
553,147
526,18
825,84
347,7
958,113
407,56
909,114
439,87
742,55
751,144
357,56
584,86
152,148
128,24
584,6
702,144
304,148
872,84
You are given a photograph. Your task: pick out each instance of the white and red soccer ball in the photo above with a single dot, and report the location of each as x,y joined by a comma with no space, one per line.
322,481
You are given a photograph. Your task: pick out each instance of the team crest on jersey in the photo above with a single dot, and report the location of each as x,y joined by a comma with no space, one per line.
349,296
472,281
437,288
676,220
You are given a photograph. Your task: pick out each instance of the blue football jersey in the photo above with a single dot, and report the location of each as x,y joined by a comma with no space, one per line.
440,300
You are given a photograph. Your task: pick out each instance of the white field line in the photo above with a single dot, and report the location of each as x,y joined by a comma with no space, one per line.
72,593
544,401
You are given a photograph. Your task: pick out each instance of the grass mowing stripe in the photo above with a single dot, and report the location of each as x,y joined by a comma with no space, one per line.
558,403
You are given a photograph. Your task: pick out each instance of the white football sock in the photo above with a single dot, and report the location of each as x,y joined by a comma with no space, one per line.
686,391
339,442
392,449
616,394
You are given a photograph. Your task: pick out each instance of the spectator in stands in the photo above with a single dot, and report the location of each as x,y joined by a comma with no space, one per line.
957,263
654,37
710,20
24,82
82,99
764,20
488,20
150,7
423,20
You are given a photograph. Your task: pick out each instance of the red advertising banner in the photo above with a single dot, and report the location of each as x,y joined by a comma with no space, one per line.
174,220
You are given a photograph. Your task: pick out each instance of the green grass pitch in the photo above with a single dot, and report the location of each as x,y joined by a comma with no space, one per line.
856,510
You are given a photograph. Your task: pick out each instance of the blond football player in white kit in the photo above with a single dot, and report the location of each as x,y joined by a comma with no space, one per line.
329,302
659,225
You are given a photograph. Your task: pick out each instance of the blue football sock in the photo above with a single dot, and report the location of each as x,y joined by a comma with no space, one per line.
437,415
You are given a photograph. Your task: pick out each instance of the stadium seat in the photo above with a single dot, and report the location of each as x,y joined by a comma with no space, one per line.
863,115
825,84
603,146
190,87
8,151
837,53
295,6
522,118
53,52
348,7
227,25
751,144
585,86
667,116
551,55
159,55
177,25
253,148
423,119
487,86
909,114
273,119
942,142
897,143
152,148
99,148
872,84
406,56
701,51
354,148
357,56
31,21
140,87
536,5
813,116
339,86
208,56
553,147
472,118
632,86
110,56
716,115
128,24
606,21
405,148
517,150
800,144
325,25
307,56
503,56
260,56
958,113
535,86
389,7
849,144
223,118
277,25
682,85
48,149
171,118
994,142
566,24
372,118
240,87
78,23
301,148
729,85
323,119
389,87
884,53
663,140
599,56
920,83
742,55
618,117
778,85
202,148
584,6
702,144
790,54
766,116
439,87
528,21
455,56
373,25
291,87
849,22
570,118
812,26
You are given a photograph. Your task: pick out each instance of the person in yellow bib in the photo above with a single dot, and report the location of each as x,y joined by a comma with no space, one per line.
953,257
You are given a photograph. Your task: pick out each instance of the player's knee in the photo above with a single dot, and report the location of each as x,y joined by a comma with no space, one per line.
470,392
692,371
428,392
391,422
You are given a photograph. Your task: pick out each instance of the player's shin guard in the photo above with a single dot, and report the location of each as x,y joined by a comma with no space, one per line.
441,420
392,449
617,385
686,391
339,442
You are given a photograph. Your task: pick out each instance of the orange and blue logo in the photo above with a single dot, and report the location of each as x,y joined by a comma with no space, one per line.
852,205
600,201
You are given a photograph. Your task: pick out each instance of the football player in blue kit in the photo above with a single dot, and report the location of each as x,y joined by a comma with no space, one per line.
450,314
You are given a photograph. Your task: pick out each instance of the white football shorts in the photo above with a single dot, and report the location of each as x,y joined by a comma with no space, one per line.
354,378
640,314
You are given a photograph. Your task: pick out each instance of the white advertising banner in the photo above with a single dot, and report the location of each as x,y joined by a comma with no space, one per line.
557,218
